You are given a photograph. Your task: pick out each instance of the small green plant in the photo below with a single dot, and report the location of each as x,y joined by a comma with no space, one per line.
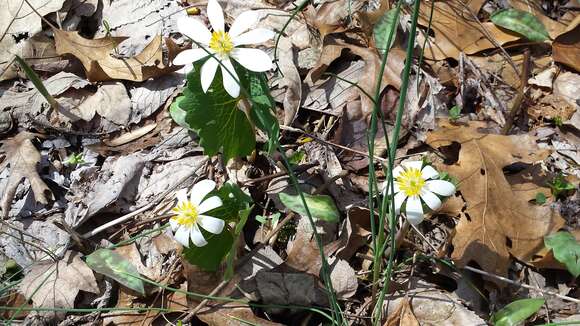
558,121
455,113
272,220
560,187
540,198
75,159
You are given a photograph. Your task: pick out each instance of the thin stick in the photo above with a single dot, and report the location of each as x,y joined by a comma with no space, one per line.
521,94
507,280
140,210
325,142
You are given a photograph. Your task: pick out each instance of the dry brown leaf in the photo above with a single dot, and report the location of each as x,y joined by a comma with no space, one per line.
100,64
57,284
403,316
499,219
291,80
232,314
456,30
23,158
566,47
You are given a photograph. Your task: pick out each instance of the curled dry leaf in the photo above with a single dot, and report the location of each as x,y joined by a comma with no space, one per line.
23,158
499,219
57,284
566,47
100,63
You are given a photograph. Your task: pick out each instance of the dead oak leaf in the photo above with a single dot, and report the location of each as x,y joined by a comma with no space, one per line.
57,284
22,158
456,30
499,218
100,64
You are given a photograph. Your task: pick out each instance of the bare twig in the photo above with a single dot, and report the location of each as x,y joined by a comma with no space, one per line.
140,210
521,94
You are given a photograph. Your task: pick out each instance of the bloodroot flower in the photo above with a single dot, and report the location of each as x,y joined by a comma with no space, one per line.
414,185
224,46
189,214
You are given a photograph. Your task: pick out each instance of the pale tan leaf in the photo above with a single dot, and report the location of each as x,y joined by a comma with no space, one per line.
57,284
499,221
101,64
22,158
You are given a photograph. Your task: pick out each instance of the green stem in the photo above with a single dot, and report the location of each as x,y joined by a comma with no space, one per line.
393,151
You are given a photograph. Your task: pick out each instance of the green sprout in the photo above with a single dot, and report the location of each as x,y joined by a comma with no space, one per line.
559,186
540,198
455,113
558,121
75,159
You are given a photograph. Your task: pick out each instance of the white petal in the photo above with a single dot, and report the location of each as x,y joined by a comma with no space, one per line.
208,73
200,190
255,36
189,56
414,210
209,204
412,165
430,199
215,14
429,172
211,224
194,29
181,195
440,187
231,84
399,199
397,171
182,236
252,59
388,191
197,237
174,225
185,70
243,22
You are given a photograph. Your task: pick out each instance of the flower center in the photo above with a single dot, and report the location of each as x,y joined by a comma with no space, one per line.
186,214
411,182
221,43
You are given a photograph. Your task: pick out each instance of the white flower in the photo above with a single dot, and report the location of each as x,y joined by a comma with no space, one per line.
189,214
413,185
225,46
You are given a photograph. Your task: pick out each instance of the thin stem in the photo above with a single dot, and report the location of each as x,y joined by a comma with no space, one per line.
393,151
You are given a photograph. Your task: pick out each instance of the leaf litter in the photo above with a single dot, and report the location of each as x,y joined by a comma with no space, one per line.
108,67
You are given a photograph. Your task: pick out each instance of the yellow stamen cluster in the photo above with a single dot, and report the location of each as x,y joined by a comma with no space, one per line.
221,43
410,182
186,214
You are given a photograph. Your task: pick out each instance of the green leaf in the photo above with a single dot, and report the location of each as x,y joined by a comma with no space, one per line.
566,250
37,82
210,256
383,28
516,312
522,23
115,266
320,206
215,117
540,198
234,200
263,104
455,112
178,114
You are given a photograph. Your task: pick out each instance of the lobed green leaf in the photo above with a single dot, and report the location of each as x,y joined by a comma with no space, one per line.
566,250
320,206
